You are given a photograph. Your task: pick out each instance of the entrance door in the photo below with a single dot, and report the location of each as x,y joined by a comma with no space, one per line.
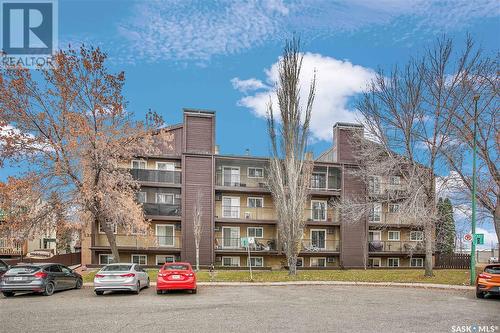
165,235
231,237
231,176
318,238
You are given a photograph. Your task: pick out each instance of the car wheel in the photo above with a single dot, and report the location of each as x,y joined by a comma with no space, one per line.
148,284
49,289
479,294
79,284
137,288
99,292
8,293
194,291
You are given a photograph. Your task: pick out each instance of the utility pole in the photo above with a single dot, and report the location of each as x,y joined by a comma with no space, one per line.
473,243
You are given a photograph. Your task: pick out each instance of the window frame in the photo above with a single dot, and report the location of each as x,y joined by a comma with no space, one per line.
255,198
140,161
255,168
316,258
418,232
166,194
231,167
325,211
164,256
371,217
145,196
139,255
419,259
115,232
379,232
388,265
378,181
232,257
394,183
252,257
231,207
376,258
302,261
239,237
389,232
394,205
173,234
323,173
163,162
105,254
311,238
262,232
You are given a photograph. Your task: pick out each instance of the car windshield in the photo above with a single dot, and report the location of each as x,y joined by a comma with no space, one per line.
176,267
116,268
492,270
23,270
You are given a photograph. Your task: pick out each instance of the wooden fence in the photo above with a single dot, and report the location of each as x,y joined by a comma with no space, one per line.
68,259
454,260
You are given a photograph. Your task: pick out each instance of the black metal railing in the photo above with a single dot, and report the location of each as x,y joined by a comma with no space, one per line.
320,245
260,244
162,209
396,246
157,176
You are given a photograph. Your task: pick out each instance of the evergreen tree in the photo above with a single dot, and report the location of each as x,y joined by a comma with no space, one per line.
445,227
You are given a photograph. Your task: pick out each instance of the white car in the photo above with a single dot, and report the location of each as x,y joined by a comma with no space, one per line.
121,277
493,260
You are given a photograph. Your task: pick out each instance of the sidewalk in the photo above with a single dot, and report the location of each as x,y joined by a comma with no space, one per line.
329,283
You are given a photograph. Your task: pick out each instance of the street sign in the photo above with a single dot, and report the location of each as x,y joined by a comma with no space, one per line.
244,242
467,237
479,239
251,240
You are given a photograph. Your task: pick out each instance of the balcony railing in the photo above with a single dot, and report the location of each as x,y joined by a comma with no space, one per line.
261,244
391,218
142,241
161,209
320,245
395,246
8,247
239,181
157,176
269,213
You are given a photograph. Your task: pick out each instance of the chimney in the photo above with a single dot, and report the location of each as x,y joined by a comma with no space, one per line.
343,137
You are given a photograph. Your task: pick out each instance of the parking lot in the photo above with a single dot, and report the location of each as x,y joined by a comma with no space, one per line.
251,309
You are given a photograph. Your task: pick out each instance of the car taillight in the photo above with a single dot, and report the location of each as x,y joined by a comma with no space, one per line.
162,274
40,275
99,276
484,276
190,274
128,275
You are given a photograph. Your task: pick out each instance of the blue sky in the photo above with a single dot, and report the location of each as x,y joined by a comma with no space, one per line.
219,55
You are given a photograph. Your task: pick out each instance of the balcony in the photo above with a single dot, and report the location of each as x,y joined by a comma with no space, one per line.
156,209
8,248
320,245
240,214
234,244
157,176
241,182
396,246
392,219
141,242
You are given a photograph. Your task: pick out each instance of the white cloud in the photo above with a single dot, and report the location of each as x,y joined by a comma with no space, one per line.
336,81
247,85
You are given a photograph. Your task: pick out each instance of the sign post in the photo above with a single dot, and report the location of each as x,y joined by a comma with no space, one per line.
473,245
245,242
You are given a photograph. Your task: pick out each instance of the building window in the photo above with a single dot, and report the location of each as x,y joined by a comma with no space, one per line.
393,262
138,164
231,207
374,262
257,261
318,210
255,172
417,262
395,180
231,237
165,235
105,259
231,261
165,198
142,197
318,238
300,262
317,262
162,259
101,230
393,235
140,259
167,166
416,236
376,212
253,202
318,180
374,185
231,176
393,208
374,236
257,232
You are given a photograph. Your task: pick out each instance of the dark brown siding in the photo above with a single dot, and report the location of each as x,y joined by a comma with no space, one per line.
343,144
199,131
353,232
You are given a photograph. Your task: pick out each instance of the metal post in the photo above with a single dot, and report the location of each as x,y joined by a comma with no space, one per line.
250,262
473,243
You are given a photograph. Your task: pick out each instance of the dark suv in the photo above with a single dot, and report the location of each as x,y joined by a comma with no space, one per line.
42,278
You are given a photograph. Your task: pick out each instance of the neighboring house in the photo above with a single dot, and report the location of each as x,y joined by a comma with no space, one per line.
236,203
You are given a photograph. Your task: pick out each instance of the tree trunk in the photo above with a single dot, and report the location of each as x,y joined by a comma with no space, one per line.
428,249
112,241
197,258
292,264
496,220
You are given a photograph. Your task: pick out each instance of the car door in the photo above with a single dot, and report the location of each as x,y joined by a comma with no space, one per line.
57,276
142,275
68,277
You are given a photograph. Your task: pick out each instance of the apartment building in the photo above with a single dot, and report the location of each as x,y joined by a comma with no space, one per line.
236,203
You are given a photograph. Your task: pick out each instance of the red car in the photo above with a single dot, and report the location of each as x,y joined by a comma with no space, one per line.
176,276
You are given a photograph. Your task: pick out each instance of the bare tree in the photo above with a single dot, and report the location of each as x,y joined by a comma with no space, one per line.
69,123
406,113
289,170
197,225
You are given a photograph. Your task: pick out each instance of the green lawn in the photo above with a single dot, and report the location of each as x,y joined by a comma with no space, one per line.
448,276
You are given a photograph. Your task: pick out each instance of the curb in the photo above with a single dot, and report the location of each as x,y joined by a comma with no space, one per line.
329,283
